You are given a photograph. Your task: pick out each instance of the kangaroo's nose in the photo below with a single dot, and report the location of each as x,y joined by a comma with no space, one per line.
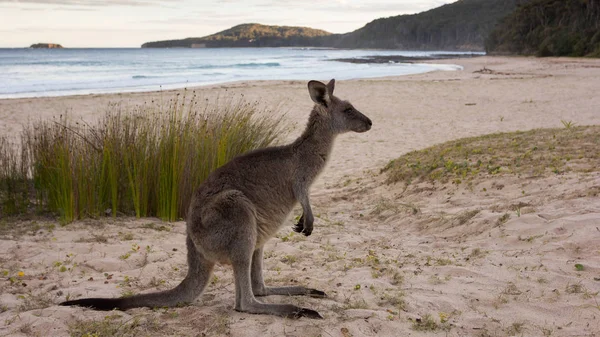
369,123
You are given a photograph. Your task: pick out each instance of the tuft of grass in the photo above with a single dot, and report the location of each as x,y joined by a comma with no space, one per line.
501,220
145,160
355,304
289,259
476,253
426,323
14,186
35,301
567,124
575,288
464,217
515,329
116,325
395,299
536,152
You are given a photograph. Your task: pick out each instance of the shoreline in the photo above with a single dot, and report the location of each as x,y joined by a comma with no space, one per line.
380,59
374,59
197,71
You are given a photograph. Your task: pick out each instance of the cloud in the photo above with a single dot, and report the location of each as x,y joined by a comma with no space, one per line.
89,3
348,6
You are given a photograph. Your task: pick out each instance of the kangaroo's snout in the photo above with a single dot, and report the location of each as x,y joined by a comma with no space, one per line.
365,124
369,123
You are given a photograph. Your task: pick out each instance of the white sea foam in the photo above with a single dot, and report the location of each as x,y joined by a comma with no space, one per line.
58,72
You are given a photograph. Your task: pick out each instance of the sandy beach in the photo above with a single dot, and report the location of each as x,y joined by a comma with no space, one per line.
386,267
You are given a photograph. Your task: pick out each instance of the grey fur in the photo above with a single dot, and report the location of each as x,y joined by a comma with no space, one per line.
244,203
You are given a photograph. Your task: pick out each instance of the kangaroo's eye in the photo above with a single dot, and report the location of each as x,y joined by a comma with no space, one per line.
348,110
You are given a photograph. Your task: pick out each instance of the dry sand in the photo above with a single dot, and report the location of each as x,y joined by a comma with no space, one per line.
383,265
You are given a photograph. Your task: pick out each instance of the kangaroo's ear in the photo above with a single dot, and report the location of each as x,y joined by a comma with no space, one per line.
318,92
331,86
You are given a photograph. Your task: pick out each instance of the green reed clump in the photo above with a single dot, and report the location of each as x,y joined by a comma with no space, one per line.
145,160
14,185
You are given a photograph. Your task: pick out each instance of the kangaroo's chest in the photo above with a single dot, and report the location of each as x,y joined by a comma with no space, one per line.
270,219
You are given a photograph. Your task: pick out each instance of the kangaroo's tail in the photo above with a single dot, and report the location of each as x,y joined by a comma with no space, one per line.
99,303
199,271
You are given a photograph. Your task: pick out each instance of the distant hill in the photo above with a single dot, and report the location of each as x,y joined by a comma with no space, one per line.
247,35
550,28
462,25
46,45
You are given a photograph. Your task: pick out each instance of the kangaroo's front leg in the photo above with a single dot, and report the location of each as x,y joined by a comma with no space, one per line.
259,288
305,224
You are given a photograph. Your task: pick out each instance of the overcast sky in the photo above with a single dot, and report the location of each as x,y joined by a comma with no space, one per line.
129,23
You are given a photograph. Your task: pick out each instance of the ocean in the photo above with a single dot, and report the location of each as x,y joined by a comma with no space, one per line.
59,72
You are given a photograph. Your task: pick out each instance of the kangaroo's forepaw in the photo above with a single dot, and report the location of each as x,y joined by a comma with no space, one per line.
315,293
299,227
308,313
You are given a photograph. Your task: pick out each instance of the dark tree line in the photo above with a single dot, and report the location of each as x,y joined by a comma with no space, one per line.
549,28
462,25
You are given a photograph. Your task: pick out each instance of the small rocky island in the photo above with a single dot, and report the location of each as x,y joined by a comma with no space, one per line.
46,46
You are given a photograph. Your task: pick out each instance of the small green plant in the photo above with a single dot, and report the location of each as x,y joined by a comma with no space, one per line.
397,279
579,267
476,253
426,323
515,328
356,304
395,299
289,259
574,288
504,218
567,124
443,262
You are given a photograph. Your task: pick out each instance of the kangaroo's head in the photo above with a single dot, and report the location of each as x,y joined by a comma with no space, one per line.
341,115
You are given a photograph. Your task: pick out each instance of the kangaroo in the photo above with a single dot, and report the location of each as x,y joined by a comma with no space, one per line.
244,203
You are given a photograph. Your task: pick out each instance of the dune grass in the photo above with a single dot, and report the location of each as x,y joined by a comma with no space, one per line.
144,161
531,153
13,178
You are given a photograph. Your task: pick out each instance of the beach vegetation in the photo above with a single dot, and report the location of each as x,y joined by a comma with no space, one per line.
530,153
428,323
117,325
145,160
515,329
567,124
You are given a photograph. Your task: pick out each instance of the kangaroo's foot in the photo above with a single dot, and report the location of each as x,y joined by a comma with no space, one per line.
289,291
283,310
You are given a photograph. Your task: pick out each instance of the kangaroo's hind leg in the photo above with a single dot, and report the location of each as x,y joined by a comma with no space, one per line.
231,218
258,284
248,303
